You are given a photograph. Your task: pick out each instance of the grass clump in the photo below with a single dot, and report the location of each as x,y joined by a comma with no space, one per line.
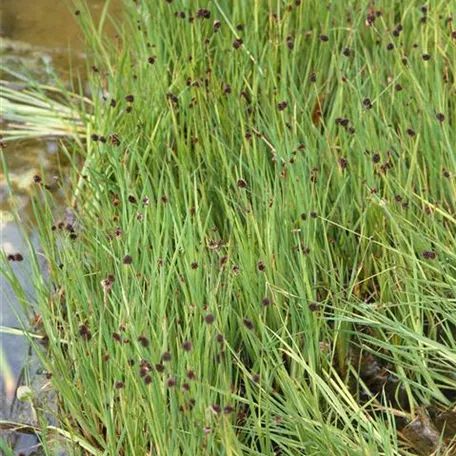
261,256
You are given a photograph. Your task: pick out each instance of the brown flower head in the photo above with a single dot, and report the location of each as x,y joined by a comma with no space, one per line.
127,259
248,323
237,43
209,319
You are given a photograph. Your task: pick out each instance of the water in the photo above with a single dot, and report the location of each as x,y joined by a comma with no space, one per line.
38,37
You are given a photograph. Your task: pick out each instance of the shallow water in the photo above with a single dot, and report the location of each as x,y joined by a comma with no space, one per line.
38,37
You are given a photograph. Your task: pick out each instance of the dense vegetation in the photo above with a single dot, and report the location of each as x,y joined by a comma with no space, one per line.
260,258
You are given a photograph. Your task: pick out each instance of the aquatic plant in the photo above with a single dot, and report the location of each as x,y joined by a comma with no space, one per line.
29,110
260,259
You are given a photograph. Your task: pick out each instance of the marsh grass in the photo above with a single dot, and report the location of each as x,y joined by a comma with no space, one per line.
261,260
29,110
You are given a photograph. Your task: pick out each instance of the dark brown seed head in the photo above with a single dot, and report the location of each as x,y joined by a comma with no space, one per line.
255,378
343,163
282,105
429,255
228,409
398,87
114,138
144,364
216,408
440,117
18,257
166,357
241,183
314,215
132,199
411,132
246,96
237,43
171,382
113,103
119,384
367,104
147,379
209,319
266,301
248,323
106,357
187,346
127,259
203,13
370,19
376,158
390,46
324,38
130,98
85,332
143,340
216,26
116,337
37,179
261,266
426,57
344,122
191,375
152,59
312,77
194,265
160,368
94,137
347,52
219,338
313,306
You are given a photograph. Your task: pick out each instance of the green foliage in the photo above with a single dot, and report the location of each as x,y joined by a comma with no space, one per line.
318,233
